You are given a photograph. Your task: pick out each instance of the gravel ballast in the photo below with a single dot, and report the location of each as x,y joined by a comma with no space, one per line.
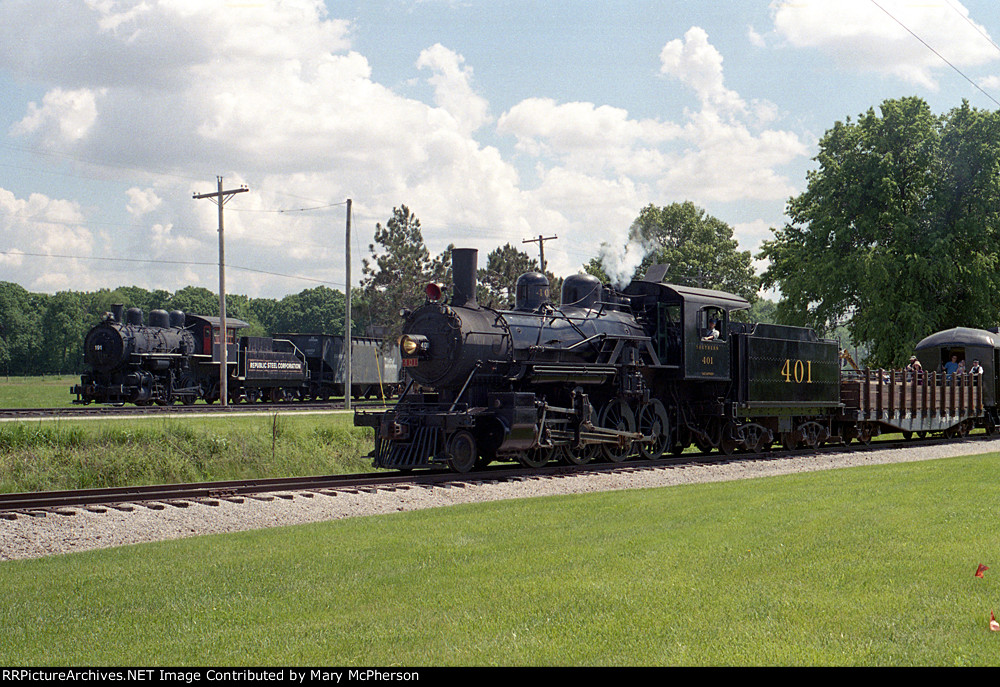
34,537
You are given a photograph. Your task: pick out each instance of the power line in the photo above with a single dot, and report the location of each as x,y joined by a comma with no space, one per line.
186,263
147,172
943,59
973,25
318,207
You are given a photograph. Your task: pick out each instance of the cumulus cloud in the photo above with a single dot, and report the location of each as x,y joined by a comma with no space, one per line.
990,83
63,117
278,92
141,201
452,87
696,63
718,152
861,35
38,226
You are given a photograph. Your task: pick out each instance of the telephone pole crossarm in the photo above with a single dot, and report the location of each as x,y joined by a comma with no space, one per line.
541,247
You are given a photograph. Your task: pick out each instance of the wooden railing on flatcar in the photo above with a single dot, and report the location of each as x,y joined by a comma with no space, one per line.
896,395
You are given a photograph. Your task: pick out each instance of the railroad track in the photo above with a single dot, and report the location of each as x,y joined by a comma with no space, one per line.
38,504
145,411
123,498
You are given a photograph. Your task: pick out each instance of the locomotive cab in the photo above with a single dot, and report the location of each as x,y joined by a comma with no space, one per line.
206,336
689,326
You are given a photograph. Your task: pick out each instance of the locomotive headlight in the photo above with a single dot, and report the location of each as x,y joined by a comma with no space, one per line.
408,345
413,344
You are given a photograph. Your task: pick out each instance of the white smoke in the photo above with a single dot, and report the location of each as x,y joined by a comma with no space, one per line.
621,263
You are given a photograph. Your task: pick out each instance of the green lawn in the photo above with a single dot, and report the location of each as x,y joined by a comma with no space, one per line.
863,566
37,392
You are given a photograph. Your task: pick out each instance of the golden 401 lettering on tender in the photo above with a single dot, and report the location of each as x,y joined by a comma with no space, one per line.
800,370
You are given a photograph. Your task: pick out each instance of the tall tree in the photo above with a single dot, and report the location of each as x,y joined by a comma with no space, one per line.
64,326
698,249
312,310
895,235
21,314
196,300
394,276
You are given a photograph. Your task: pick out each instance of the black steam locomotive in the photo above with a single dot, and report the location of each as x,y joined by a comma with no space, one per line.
176,358
652,369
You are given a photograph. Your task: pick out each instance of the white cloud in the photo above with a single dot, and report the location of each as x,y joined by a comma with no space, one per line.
717,153
863,36
277,92
990,83
452,89
696,63
40,225
142,201
587,136
64,116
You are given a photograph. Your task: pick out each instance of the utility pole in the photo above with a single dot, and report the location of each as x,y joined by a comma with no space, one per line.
220,198
347,317
541,247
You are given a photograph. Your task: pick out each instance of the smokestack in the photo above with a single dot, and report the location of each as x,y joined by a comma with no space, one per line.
118,310
464,262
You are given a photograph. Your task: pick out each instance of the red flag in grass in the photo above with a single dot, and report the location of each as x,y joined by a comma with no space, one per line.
982,568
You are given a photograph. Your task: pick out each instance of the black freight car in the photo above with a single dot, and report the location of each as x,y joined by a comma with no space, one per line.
373,371
271,369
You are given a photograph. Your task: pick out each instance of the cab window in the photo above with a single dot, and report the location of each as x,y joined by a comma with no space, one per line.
712,324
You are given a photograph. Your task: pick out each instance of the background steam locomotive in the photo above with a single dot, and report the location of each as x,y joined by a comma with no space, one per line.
654,368
176,358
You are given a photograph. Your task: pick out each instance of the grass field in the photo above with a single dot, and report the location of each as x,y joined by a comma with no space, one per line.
67,454
37,392
864,566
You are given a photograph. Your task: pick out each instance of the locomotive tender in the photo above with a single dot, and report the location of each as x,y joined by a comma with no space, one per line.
176,357
648,370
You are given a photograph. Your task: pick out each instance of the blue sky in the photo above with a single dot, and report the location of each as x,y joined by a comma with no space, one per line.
493,121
